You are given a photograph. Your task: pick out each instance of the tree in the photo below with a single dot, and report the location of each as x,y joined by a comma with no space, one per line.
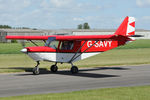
86,26
80,26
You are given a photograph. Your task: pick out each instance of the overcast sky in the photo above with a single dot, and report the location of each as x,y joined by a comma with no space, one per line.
67,14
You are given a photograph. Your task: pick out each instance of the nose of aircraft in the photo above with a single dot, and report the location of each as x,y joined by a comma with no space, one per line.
24,50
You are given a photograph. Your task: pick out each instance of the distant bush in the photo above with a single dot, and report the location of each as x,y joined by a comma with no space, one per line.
14,41
5,26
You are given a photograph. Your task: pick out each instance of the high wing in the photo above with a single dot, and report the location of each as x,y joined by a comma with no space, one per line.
67,38
85,37
27,37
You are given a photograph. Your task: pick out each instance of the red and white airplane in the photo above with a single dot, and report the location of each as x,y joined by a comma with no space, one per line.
71,48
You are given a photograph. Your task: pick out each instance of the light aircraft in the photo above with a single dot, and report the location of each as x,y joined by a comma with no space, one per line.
71,48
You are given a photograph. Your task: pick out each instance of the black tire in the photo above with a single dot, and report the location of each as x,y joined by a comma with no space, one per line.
36,71
74,69
54,68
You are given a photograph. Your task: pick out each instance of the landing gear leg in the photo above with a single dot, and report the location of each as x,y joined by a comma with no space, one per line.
74,69
54,68
36,70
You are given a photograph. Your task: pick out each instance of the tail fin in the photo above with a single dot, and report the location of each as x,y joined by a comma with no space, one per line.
127,27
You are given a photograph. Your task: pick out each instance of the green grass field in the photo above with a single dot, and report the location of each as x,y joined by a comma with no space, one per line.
19,62
14,48
136,44
123,93
125,55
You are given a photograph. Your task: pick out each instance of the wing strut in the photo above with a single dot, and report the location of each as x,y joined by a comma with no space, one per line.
75,57
33,42
77,52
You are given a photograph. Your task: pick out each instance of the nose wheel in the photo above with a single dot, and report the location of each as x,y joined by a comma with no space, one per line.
36,70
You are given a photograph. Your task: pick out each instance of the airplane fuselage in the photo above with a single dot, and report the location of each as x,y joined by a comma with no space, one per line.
79,50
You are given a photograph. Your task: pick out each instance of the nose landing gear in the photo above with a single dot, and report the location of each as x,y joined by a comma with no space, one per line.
36,70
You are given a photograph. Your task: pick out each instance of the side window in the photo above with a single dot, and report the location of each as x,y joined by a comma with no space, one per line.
54,44
66,45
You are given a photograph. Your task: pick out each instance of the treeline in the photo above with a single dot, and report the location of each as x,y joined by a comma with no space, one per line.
5,26
9,27
83,26
80,26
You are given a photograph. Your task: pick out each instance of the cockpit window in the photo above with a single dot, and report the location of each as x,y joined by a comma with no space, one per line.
51,42
67,45
54,44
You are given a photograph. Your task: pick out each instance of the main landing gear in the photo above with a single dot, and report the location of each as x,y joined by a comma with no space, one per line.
54,68
74,69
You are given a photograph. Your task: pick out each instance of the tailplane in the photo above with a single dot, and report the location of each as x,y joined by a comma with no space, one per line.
127,27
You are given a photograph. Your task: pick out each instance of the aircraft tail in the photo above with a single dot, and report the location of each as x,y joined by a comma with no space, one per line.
127,27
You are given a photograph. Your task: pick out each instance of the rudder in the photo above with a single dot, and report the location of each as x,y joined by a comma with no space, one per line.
127,27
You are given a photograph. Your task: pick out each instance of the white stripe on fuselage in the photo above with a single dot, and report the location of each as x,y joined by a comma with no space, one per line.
59,57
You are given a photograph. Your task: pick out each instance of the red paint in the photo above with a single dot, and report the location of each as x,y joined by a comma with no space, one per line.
40,49
28,37
131,33
84,37
122,30
100,46
133,24
62,38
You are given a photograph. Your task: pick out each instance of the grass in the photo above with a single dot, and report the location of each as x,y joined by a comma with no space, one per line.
123,93
136,44
14,48
118,57
10,48
19,62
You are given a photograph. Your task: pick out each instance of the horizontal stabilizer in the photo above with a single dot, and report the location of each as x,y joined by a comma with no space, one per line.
137,36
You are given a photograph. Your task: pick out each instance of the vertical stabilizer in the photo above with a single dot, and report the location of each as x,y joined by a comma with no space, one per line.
127,27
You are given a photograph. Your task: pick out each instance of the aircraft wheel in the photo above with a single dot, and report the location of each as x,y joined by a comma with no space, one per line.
36,71
74,69
54,68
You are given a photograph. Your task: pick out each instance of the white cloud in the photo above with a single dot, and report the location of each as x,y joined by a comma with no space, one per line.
145,19
61,3
78,19
143,22
143,3
12,6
